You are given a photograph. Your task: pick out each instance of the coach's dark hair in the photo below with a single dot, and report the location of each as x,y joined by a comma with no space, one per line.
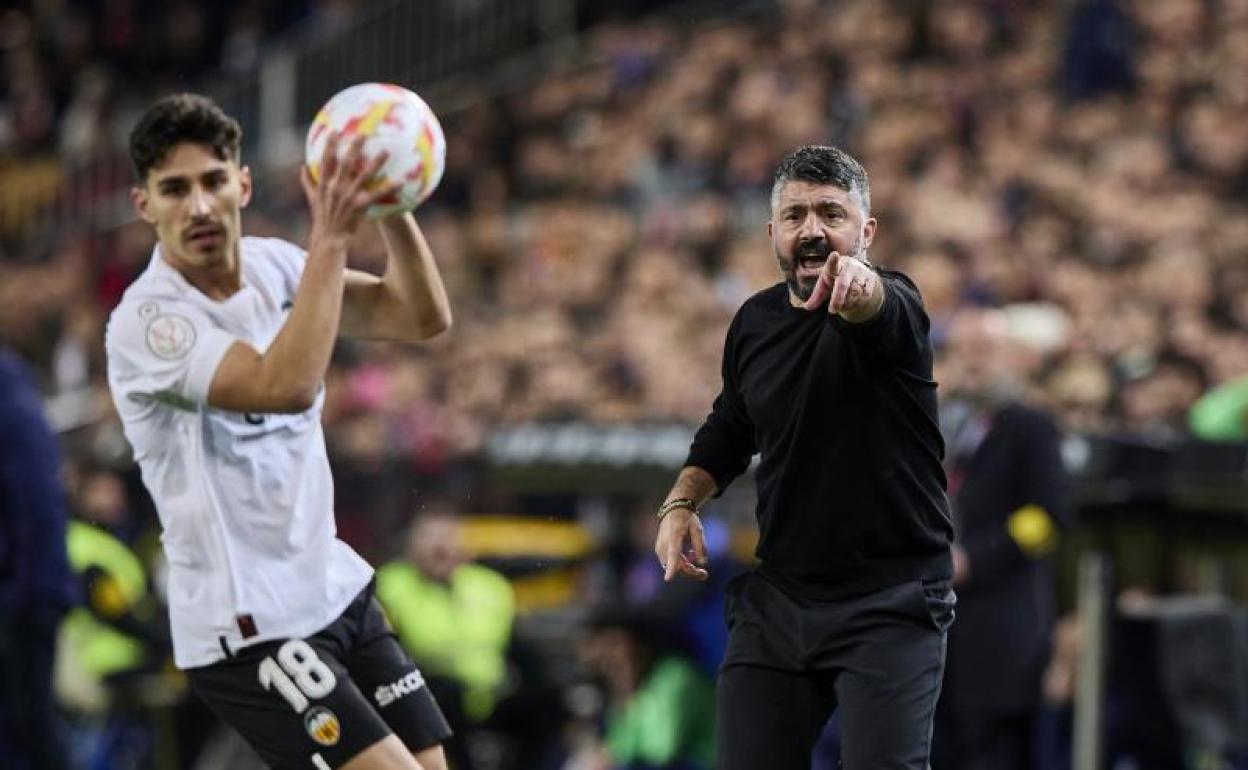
820,164
182,118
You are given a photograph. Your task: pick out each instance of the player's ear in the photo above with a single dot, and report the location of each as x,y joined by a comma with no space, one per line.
769,229
140,199
244,181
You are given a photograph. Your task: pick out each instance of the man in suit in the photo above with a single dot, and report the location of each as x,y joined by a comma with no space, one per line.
1007,488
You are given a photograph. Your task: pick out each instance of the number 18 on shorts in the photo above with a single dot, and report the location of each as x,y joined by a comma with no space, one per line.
314,704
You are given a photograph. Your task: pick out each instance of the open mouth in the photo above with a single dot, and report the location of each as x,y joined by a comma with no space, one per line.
809,266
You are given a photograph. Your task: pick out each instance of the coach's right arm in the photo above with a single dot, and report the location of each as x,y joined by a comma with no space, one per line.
720,452
286,377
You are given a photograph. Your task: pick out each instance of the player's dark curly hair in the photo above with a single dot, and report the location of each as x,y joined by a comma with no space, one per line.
182,118
820,164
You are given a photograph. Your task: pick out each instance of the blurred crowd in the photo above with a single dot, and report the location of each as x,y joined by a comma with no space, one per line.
1083,166
71,67
76,74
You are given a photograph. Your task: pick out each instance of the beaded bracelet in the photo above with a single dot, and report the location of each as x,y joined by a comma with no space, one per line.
679,502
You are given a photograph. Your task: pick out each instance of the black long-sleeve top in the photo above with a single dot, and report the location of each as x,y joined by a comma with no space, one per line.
851,491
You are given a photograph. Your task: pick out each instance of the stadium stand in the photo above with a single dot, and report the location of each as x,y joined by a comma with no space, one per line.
1082,165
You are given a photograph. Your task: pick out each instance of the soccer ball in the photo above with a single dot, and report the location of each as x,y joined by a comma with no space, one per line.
390,118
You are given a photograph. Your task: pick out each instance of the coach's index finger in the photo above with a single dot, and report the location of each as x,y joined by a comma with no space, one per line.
823,288
840,289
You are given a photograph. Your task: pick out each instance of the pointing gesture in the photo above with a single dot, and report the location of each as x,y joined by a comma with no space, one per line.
850,288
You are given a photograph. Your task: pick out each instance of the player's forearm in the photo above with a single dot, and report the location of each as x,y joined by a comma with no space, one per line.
296,362
693,483
414,304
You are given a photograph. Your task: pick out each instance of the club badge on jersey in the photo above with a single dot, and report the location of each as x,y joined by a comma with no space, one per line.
323,725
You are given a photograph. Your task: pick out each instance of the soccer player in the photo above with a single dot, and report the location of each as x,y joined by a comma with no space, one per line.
216,355
828,377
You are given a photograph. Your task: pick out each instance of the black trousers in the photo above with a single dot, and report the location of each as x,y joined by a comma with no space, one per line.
989,742
879,658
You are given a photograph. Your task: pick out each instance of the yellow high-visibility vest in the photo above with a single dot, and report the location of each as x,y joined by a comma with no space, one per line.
99,648
459,630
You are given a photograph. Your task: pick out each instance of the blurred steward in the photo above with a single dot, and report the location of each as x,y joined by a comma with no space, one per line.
112,648
456,619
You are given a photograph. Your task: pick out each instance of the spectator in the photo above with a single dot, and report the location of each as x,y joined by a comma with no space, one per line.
1099,54
660,708
1222,414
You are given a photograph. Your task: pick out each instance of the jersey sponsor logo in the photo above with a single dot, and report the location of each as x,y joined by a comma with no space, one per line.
389,693
170,336
322,725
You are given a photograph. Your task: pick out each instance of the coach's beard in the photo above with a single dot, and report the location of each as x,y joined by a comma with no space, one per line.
803,288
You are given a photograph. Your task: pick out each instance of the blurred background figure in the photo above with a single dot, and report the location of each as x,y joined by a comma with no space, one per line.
1222,413
113,654
456,619
660,708
36,585
1008,489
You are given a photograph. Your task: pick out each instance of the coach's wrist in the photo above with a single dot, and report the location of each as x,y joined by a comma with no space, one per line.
877,298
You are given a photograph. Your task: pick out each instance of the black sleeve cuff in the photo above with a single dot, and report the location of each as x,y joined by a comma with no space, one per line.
879,325
722,475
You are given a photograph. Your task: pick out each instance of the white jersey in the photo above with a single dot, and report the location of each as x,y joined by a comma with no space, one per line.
245,501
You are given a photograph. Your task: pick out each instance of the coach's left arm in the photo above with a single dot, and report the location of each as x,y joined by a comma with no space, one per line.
408,303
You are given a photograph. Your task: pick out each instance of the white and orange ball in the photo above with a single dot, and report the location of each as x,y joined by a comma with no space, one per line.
390,118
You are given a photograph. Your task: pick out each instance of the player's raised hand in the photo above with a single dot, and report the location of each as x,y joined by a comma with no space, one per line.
341,194
849,287
679,526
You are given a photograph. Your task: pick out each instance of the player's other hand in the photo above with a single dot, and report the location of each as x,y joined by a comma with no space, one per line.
848,285
680,527
340,197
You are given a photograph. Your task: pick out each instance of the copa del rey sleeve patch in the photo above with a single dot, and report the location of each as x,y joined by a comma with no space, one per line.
170,335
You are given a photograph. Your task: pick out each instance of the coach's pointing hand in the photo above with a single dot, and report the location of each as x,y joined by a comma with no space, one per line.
678,526
850,287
